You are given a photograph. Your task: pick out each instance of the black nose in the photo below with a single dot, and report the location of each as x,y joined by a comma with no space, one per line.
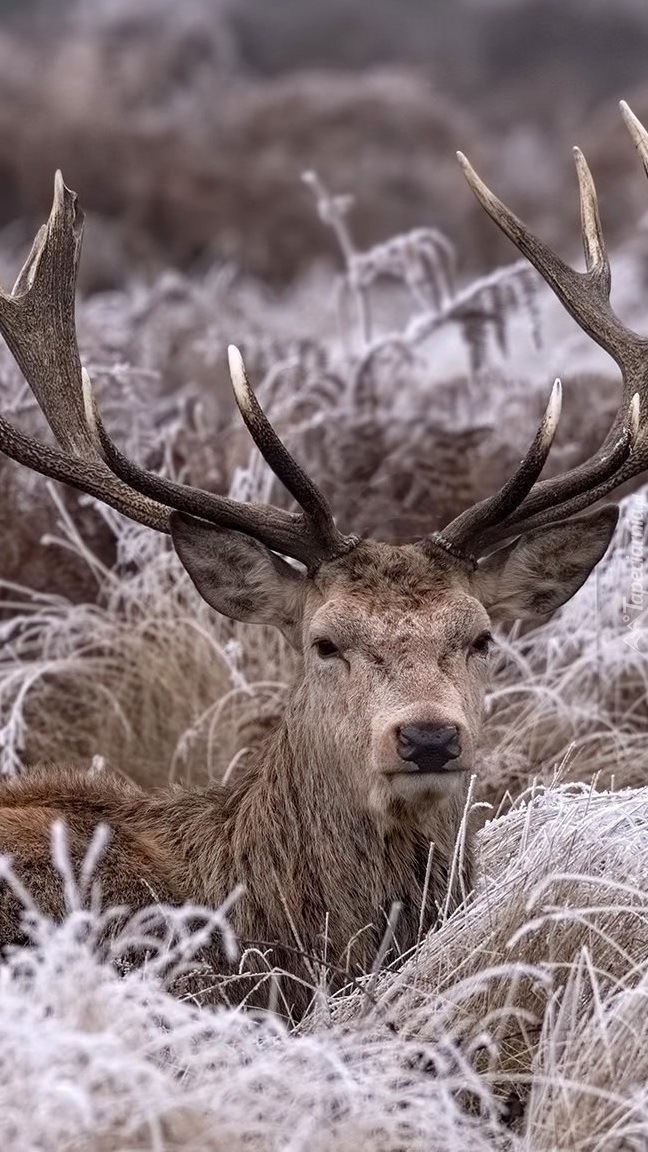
430,748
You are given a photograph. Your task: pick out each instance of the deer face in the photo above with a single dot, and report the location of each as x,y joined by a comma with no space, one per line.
394,641
395,653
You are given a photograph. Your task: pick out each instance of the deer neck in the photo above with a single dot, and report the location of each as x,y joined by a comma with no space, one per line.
314,859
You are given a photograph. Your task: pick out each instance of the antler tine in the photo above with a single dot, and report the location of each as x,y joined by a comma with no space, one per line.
37,321
468,529
637,132
563,496
293,534
586,296
87,475
316,509
596,258
282,531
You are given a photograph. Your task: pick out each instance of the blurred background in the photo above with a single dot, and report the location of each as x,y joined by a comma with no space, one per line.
185,126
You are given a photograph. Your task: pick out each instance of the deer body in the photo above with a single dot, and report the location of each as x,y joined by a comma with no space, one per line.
312,828
365,780
328,898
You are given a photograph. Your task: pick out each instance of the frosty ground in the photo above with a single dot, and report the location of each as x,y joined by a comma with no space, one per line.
411,388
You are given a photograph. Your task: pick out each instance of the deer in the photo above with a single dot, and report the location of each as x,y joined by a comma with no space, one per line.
354,805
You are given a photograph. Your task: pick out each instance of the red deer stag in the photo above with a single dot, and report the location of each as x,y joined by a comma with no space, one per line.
332,823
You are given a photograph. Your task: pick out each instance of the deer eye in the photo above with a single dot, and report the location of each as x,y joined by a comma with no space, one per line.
326,649
481,646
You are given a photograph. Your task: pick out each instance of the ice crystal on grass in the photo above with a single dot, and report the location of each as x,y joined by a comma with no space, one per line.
531,998
424,261
520,1025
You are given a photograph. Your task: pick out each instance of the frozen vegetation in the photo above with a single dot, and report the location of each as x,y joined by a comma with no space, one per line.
409,372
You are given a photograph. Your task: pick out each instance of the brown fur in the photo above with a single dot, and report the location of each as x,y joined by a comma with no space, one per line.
327,827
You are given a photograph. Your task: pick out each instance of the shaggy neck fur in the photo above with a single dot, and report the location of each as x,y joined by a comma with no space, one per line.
321,871
321,868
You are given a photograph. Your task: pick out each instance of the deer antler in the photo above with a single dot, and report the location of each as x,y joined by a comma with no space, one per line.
37,321
309,536
525,502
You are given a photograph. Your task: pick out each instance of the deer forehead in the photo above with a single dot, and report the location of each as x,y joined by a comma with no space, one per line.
384,597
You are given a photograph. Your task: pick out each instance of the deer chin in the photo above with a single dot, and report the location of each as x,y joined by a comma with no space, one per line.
411,783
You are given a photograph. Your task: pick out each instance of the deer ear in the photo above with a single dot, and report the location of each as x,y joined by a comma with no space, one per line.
239,576
541,570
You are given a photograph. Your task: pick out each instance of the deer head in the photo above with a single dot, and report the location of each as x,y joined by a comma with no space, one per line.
394,640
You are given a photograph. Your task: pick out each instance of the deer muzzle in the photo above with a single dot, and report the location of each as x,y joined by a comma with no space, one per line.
429,748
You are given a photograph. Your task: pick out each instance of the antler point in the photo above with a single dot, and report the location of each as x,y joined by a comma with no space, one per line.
240,382
552,414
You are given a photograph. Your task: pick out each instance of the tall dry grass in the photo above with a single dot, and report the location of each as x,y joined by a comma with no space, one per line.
408,390
519,1025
